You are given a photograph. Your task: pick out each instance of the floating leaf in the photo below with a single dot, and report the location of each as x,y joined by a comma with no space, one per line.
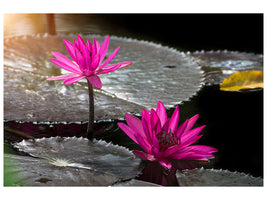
243,80
157,73
219,64
135,183
214,177
72,161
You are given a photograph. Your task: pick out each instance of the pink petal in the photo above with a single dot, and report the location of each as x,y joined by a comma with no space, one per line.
196,153
161,112
95,63
110,58
80,60
155,151
165,127
135,124
195,158
165,163
143,143
155,127
65,60
203,148
89,46
171,150
191,136
97,46
128,131
180,153
76,44
62,77
181,129
64,66
103,49
191,122
191,141
94,49
174,120
86,56
71,49
144,155
80,41
111,69
121,64
147,125
72,80
95,81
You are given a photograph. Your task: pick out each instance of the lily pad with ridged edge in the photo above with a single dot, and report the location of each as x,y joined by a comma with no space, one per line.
218,65
157,73
134,183
72,161
215,177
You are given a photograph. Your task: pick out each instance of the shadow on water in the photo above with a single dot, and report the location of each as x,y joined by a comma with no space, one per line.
234,125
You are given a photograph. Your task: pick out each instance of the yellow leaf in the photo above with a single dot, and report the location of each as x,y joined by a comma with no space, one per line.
243,80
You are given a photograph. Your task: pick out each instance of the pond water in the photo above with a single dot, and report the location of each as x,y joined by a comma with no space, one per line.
234,120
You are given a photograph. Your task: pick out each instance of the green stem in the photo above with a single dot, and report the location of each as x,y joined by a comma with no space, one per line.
91,111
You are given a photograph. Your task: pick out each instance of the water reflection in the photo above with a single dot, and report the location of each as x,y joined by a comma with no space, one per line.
22,24
156,173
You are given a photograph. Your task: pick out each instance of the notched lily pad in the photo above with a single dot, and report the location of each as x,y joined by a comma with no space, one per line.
72,161
135,183
218,65
157,73
214,177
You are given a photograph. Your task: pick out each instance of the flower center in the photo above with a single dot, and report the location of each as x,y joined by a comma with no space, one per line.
167,140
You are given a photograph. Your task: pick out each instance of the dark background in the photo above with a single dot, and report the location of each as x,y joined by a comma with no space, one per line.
185,32
240,32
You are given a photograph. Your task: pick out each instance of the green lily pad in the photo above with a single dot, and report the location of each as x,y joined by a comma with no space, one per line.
135,183
215,177
71,161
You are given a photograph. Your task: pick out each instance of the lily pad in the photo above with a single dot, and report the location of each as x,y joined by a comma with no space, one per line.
135,183
157,73
58,161
215,177
218,65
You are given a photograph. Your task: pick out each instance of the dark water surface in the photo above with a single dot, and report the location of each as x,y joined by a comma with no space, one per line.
234,120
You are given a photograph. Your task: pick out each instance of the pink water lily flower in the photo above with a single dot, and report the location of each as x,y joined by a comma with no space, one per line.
162,139
87,61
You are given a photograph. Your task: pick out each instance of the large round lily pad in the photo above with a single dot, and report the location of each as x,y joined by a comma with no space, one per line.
215,177
218,65
157,73
58,161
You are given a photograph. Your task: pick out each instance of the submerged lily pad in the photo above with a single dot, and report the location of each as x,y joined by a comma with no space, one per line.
157,73
214,177
71,161
218,65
